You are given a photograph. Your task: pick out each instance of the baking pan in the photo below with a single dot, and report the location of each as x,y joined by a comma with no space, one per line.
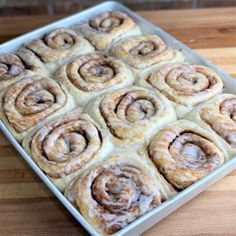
161,211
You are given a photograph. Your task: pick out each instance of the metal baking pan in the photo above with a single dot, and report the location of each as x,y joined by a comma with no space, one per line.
161,211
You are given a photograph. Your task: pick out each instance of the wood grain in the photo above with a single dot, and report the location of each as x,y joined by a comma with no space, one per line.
205,28
28,207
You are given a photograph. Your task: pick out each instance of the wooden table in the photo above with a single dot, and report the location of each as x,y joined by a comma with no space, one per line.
28,208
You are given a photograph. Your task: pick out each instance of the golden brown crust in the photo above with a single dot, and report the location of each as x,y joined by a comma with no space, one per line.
145,51
184,153
64,146
184,85
132,114
55,48
91,75
116,192
107,27
12,69
30,101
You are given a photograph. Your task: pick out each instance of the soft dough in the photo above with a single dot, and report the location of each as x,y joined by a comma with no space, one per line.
106,28
144,52
132,115
184,85
12,69
117,191
32,102
184,153
54,49
67,145
219,115
93,74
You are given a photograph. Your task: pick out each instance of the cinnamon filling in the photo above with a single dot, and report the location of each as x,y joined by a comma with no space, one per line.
64,146
131,107
144,48
93,73
10,66
106,22
192,151
223,121
121,195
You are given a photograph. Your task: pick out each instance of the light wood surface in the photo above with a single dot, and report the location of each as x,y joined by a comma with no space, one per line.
28,208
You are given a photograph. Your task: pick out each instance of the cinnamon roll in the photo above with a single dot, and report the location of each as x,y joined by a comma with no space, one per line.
91,75
219,115
31,101
118,191
184,85
66,146
142,52
184,153
132,114
12,69
106,28
55,48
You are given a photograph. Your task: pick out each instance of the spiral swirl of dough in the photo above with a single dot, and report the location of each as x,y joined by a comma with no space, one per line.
12,69
144,51
54,45
186,84
220,115
107,21
132,114
114,195
106,28
95,72
32,100
65,145
185,153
